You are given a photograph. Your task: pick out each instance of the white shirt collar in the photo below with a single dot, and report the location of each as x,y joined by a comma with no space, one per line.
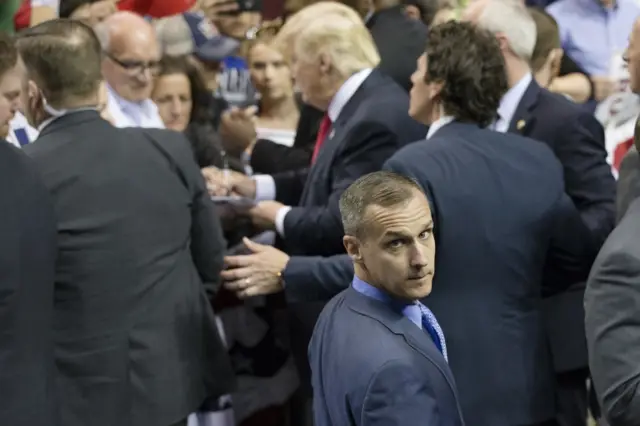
133,114
438,124
346,92
50,120
510,101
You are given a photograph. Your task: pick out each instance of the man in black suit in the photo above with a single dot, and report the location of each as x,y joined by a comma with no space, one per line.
577,140
135,338
502,221
27,264
612,300
399,40
376,346
365,123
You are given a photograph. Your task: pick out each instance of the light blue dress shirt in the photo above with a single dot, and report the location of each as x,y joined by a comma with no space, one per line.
592,34
415,311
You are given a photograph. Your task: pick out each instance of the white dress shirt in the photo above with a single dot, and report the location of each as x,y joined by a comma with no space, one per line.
438,124
266,186
133,114
20,125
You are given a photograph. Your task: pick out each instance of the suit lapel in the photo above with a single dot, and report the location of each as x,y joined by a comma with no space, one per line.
523,118
400,325
334,139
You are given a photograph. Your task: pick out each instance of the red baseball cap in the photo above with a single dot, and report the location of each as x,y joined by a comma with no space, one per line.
156,8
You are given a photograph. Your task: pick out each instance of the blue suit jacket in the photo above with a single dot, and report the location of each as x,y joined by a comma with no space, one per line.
502,222
371,366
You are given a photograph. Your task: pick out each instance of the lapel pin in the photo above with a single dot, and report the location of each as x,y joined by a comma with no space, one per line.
520,124
331,134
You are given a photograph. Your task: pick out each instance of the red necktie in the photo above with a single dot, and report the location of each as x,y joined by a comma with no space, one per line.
322,135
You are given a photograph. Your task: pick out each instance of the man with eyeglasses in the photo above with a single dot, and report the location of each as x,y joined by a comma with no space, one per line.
131,55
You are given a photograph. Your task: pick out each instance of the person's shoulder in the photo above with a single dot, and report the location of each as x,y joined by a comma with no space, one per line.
11,156
559,7
559,106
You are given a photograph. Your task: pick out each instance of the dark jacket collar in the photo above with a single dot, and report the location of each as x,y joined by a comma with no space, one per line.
370,85
523,118
400,325
71,119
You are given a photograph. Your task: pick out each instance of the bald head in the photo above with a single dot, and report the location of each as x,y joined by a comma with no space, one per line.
132,55
123,29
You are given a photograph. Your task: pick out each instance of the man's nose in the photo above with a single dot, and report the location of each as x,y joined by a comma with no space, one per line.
418,256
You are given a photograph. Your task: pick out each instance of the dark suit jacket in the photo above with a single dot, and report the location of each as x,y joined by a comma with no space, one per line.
269,157
373,366
500,215
612,305
27,266
400,41
577,140
371,127
628,181
135,337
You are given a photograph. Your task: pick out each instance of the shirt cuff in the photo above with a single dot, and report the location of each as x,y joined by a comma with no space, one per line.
265,188
280,215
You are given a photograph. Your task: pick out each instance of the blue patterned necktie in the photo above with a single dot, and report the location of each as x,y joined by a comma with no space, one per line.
431,325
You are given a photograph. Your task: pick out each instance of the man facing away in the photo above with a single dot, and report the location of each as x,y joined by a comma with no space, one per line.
27,265
612,298
378,355
135,338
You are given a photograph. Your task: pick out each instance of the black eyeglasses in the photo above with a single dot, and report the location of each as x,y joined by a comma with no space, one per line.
136,67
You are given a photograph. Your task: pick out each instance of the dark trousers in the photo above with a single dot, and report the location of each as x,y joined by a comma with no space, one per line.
572,398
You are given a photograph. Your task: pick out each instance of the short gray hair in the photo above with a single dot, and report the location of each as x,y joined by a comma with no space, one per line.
383,188
511,18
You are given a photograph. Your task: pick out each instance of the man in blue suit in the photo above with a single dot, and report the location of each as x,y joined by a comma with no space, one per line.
378,355
503,223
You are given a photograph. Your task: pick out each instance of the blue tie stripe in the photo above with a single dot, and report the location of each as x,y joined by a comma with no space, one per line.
21,136
432,327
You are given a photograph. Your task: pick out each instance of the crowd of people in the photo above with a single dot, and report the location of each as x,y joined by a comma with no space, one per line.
365,212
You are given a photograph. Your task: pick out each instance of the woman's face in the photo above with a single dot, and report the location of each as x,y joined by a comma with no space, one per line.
270,74
172,95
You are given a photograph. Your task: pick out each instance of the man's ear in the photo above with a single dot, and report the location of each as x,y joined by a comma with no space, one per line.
556,61
324,63
353,248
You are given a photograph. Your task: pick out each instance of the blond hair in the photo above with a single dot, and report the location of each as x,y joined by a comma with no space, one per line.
348,44
299,20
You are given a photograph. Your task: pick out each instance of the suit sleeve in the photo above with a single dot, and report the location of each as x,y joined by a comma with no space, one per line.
207,239
314,279
571,251
588,177
269,157
318,229
628,181
397,396
612,305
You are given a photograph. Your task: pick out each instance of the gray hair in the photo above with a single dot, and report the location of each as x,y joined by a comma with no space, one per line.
383,188
511,18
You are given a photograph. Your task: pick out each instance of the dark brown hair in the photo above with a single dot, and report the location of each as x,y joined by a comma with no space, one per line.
8,53
63,57
382,188
200,96
469,63
547,37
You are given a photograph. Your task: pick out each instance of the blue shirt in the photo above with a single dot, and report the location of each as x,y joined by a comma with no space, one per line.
409,309
592,34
